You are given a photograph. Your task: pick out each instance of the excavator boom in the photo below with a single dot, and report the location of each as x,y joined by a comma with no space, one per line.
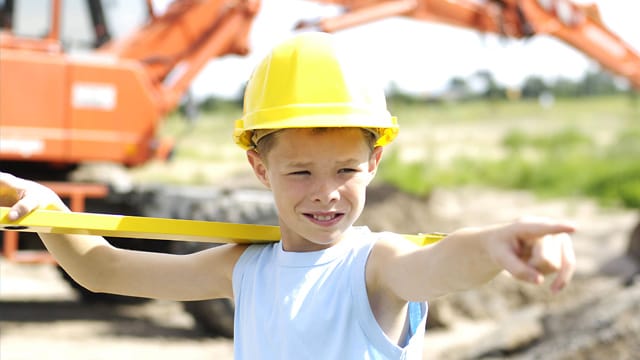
175,46
579,26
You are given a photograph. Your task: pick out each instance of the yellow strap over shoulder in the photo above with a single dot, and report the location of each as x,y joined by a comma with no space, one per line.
58,222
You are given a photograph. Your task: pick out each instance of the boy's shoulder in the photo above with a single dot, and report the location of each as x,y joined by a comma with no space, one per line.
388,247
393,241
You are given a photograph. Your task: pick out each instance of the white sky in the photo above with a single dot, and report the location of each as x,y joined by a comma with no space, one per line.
420,57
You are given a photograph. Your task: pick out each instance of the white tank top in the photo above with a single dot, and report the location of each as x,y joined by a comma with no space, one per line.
313,305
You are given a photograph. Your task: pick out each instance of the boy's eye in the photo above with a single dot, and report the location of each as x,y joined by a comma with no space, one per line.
300,172
347,170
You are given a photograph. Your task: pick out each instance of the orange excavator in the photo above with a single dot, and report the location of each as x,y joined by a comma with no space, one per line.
68,107
73,91
80,107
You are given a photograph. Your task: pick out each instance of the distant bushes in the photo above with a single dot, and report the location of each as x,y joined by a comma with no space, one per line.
483,86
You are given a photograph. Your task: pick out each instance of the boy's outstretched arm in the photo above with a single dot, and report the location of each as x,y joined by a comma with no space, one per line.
100,267
529,249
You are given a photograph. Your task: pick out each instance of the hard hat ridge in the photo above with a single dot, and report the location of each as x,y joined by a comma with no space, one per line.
303,83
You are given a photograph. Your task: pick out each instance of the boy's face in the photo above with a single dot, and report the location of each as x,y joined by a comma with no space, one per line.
318,178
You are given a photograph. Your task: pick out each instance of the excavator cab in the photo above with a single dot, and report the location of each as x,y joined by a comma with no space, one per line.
75,24
83,105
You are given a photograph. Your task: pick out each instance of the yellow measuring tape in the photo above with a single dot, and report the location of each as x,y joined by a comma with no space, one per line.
81,223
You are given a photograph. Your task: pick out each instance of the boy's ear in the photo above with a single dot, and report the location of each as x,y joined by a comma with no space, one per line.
374,160
259,167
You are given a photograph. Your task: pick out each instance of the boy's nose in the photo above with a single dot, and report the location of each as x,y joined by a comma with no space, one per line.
325,193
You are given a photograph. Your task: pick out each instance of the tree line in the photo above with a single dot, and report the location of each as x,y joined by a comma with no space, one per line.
483,85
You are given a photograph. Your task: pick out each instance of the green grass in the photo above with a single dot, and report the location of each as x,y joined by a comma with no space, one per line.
582,112
587,147
203,139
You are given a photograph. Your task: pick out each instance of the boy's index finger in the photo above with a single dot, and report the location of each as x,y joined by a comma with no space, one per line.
531,227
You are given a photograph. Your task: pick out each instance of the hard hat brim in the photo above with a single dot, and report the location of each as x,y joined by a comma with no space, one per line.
380,125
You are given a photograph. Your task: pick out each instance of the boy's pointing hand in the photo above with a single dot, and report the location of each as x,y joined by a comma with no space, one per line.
531,248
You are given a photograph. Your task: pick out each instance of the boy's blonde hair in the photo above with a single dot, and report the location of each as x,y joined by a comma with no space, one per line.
265,139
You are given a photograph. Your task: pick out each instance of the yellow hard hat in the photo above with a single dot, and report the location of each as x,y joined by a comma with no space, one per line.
304,83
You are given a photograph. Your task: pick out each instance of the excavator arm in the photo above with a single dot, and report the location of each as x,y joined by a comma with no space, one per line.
576,25
175,46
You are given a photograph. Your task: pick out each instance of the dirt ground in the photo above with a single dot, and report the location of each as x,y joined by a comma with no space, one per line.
40,317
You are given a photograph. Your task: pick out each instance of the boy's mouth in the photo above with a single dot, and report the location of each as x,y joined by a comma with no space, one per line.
324,218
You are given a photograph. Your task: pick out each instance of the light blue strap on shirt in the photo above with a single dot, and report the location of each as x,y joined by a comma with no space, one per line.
415,317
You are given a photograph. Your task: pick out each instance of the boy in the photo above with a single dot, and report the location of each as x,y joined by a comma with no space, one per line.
314,135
